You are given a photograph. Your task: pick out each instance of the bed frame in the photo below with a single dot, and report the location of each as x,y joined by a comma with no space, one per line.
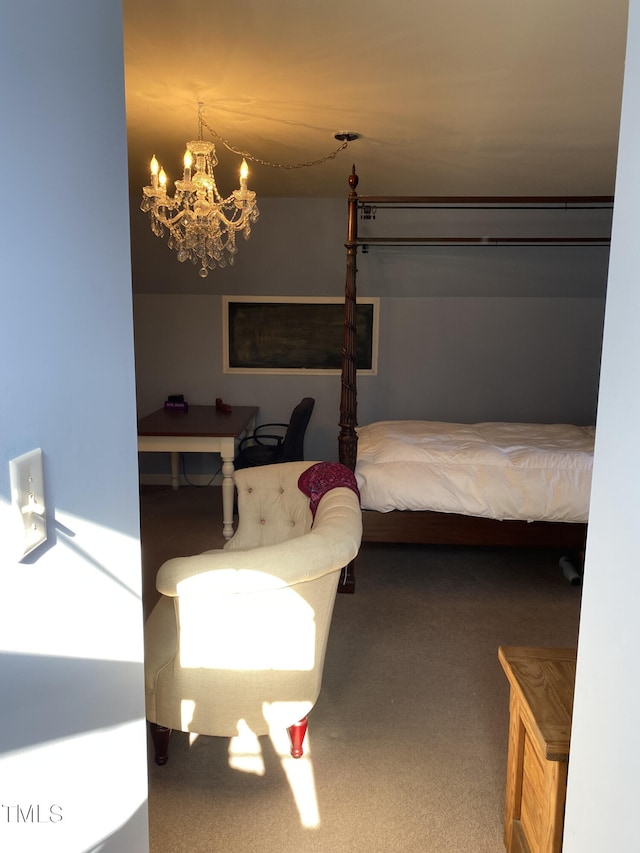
436,528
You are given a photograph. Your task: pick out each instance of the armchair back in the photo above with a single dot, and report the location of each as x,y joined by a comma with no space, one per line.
271,507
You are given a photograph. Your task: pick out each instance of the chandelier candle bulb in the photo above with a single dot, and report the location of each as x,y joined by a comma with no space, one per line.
188,162
154,172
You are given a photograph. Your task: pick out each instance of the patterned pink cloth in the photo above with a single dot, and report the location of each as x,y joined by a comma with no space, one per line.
320,478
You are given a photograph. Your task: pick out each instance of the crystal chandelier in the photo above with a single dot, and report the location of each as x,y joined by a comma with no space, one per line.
202,225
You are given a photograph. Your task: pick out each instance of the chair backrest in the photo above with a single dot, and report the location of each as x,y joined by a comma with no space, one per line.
293,444
271,507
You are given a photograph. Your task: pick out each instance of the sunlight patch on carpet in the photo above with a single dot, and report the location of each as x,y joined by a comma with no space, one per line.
245,752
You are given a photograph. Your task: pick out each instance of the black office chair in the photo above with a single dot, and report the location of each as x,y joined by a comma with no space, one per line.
268,447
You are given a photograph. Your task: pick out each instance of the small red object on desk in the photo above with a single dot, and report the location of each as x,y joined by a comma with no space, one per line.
221,406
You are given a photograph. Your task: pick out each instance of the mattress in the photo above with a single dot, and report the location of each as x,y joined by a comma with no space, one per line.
505,471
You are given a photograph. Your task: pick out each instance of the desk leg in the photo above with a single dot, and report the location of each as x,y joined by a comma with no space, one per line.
227,450
175,470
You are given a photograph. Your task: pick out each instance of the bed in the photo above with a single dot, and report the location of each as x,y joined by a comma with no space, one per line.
495,471
493,484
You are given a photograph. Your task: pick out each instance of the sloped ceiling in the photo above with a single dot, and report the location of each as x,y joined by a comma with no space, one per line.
450,97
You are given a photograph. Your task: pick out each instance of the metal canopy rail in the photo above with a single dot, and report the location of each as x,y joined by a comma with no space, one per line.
499,202
368,206
367,242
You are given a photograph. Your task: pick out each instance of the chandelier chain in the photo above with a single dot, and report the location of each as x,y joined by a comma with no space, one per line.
248,156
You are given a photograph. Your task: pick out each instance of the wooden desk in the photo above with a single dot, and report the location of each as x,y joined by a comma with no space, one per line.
203,429
541,706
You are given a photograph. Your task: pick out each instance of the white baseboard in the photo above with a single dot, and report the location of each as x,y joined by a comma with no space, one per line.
194,480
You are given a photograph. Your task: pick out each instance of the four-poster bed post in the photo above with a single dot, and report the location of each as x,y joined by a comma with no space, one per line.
348,440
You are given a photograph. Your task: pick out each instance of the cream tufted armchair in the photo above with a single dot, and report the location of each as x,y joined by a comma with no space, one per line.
238,638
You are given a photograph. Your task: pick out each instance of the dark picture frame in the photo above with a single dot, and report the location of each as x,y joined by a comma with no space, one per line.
271,334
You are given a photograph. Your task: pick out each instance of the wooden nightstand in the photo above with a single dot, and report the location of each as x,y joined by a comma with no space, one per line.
541,704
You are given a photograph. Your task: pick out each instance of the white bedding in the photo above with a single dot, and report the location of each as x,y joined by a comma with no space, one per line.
531,472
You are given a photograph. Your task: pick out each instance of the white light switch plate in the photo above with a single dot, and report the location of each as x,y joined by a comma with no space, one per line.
27,499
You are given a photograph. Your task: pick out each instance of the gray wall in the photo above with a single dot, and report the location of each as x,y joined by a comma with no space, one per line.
72,733
466,334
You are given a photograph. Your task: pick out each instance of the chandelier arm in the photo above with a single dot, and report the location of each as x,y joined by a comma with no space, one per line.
168,221
237,223
236,219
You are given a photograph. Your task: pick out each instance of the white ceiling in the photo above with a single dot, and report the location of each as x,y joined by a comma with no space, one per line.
451,97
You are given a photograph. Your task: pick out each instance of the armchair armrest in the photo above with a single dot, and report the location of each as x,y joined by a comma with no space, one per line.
330,545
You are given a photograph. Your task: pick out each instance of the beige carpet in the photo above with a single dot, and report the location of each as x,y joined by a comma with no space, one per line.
407,744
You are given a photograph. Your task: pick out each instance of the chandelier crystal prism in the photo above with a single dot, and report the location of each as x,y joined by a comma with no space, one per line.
202,225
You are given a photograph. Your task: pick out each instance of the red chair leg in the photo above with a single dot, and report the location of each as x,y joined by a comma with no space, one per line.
296,734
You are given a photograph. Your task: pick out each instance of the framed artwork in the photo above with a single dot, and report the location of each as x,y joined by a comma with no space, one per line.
295,334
